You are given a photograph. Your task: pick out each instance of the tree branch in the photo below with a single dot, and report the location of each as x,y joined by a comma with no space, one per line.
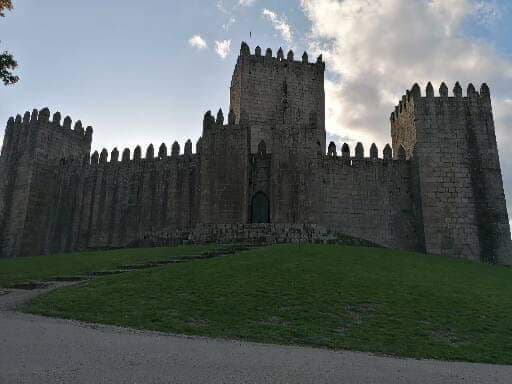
7,64
5,4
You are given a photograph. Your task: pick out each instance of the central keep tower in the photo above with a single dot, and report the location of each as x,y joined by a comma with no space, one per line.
280,97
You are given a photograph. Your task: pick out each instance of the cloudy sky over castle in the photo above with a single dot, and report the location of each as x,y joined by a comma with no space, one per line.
142,72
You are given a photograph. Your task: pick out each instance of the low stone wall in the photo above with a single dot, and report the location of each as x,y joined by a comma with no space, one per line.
241,233
261,233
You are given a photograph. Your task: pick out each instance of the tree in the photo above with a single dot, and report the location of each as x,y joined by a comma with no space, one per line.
7,62
5,4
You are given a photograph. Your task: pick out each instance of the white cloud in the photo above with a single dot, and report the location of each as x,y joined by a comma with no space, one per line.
228,24
280,24
223,48
488,11
246,3
377,49
222,8
198,42
227,12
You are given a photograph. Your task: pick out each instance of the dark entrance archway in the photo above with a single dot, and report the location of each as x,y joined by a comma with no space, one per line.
260,208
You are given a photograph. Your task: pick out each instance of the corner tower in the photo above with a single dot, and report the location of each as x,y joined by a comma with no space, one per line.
459,189
278,93
31,148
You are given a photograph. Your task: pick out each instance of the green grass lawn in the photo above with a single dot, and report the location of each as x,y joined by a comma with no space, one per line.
22,270
339,297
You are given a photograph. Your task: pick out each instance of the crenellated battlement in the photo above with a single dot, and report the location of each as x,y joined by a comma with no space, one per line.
41,118
346,159
115,158
66,126
40,137
279,58
414,96
211,123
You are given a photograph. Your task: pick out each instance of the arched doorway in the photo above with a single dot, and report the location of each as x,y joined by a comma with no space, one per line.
260,208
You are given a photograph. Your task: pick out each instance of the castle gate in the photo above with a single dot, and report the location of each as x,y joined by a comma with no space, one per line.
260,208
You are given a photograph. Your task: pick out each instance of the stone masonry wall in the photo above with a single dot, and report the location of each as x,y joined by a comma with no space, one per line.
438,189
28,143
264,88
262,233
283,101
452,194
15,180
224,171
365,197
493,223
105,204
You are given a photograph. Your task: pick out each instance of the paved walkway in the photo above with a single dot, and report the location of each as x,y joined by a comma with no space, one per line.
35,349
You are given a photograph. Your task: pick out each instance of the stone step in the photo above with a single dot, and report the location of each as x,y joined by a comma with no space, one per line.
31,285
135,267
124,268
107,273
68,278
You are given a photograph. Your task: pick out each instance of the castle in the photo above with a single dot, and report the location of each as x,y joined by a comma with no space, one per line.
438,189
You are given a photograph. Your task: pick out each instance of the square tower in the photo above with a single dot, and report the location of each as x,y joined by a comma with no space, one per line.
32,146
460,198
272,92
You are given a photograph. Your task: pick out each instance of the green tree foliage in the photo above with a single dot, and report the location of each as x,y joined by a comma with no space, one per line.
7,62
5,4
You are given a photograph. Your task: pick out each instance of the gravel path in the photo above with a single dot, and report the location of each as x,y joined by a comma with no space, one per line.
36,349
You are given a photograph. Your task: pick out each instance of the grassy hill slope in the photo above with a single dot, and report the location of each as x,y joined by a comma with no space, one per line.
340,297
26,269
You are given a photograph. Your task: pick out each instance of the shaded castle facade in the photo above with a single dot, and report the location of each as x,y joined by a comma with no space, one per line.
437,189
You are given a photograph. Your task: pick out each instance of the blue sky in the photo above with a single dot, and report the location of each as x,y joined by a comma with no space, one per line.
126,67
129,69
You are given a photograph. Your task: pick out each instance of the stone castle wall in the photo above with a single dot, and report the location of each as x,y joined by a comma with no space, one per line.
100,204
244,233
30,143
105,204
271,91
224,171
366,197
438,189
461,194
